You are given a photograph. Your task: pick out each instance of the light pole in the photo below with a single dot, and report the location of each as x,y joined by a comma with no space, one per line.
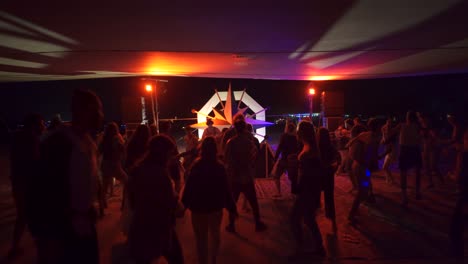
154,99
311,104
149,89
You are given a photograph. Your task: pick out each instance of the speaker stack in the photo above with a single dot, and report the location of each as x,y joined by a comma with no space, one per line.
332,112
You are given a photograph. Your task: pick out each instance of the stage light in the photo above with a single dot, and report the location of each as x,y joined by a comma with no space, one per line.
149,88
311,91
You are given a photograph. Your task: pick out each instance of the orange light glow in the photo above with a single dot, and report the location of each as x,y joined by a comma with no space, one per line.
311,91
149,88
323,78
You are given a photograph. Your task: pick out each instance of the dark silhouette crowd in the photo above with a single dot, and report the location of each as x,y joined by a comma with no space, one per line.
63,176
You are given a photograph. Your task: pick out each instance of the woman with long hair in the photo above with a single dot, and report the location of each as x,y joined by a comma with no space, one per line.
206,193
329,156
309,186
136,148
137,145
154,202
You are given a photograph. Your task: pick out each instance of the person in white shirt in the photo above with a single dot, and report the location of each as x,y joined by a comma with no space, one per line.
210,131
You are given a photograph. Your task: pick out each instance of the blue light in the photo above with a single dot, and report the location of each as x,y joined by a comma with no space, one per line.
365,184
368,173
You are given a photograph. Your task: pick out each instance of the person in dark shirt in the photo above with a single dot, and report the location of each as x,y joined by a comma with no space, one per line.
154,203
329,161
288,148
310,182
240,157
61,209
206,193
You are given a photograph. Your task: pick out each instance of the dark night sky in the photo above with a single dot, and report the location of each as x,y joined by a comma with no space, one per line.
369,97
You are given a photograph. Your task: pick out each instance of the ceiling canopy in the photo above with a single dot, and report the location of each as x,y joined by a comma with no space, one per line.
295,40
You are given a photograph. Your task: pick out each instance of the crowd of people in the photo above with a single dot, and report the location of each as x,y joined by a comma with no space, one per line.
62,178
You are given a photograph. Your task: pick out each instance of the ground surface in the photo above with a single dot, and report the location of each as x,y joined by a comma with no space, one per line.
385,233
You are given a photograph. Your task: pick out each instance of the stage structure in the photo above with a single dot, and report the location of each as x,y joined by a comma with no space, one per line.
231,103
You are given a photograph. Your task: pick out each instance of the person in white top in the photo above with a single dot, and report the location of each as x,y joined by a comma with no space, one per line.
210,130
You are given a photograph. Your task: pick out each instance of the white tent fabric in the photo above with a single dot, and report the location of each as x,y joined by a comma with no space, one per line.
295,40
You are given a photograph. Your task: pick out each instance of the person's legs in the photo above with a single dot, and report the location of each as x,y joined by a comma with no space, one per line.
251,195
82,249
293,172
200,223
20,223
418,183
434,160
371,197
457,228
49,251
214,224
281,168
358,199
353,177
236,190
403,174
107,185
296,223
311,223
386,167
426,160
344,160
174,255
329,193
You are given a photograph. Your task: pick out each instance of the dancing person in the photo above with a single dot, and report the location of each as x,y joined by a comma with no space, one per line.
240,157
191,149
210,130
430,150
176,170
154,201
287,148
24,160
360,171
329,156
355,131
410,154
137,146
342,138
112,150
371,140
63,217
390,142
310,182
231,132
206,193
